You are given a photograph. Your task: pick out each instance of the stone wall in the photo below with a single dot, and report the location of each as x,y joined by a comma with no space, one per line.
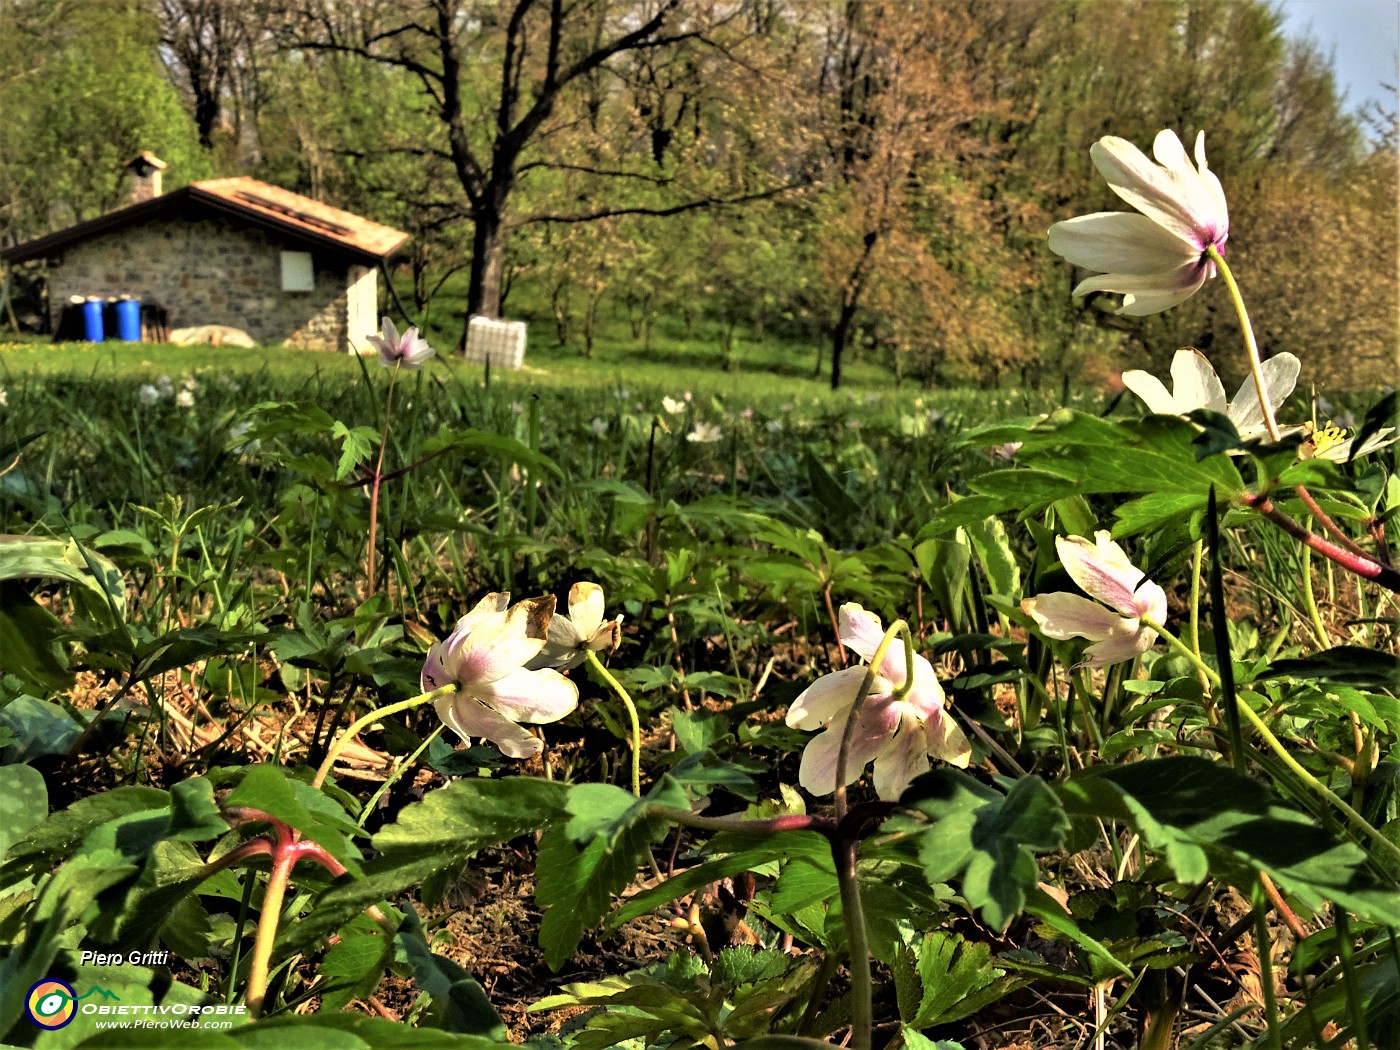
210,270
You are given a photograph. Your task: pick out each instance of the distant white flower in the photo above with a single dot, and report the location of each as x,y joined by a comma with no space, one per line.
237,433
516,408
166,385
190,383
704,433
773,426
598,425
621,394
185,399
1195,385
1104,572
148,394
746,414
672,406
407,350
1158,258
1006,452
686,397
4,397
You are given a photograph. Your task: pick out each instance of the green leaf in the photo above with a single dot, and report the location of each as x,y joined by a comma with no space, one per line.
459,1001
26,803
1204,818
591,855
986,838
62,832
41,728
1353,665
270,788
31,639
194,815
356,446
432,839
32,557
953,974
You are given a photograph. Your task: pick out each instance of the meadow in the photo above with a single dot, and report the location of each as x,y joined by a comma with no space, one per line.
630,701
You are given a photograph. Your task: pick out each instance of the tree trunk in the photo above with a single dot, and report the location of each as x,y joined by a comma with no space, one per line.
839,339
488,259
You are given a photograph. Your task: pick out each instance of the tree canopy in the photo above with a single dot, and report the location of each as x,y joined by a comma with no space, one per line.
870,176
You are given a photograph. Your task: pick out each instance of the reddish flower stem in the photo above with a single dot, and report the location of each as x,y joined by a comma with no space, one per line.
1361,564
1325,520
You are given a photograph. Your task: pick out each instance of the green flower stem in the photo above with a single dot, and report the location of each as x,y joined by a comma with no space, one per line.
398,772
354,727
1197,557
1276,745
597,665
268,919
1310,600
1270,423
1251,346
844,850
853,917
379,475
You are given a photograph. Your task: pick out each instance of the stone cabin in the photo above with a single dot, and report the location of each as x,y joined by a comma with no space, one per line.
236,252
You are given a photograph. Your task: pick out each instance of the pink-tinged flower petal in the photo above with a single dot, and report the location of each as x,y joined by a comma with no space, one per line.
1103,571
925,697
860,631
830,696
501,643
470,718
1171,192
1120,242
1280,377
876,724
905,758
1210,182
1061,615
1150,294
946,741
1130,641
531,696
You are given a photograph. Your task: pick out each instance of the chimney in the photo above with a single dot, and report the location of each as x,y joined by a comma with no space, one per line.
144,170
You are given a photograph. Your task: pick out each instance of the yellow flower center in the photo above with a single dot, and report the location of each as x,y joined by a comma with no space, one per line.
1328,437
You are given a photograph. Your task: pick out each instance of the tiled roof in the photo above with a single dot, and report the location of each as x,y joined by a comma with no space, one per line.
299,218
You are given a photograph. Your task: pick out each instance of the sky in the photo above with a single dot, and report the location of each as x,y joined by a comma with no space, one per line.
1363,36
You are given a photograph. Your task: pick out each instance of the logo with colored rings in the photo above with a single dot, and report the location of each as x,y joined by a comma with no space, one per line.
51,1003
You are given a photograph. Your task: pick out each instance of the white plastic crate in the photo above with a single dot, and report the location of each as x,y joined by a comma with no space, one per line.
500,342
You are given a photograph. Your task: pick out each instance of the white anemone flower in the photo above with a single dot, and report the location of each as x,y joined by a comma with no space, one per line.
1330,444
1104,572
1155,259
705,433
407,350
485,656
899,736
572,636
672,406
1195,385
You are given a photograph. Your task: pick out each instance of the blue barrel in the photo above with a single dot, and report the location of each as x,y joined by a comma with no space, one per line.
129,320
92,320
